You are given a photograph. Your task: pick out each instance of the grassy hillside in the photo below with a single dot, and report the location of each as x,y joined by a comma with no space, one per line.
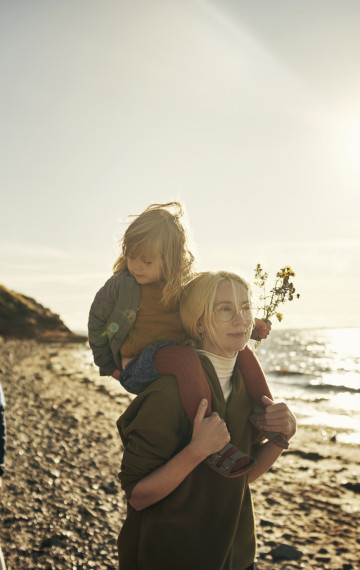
23,317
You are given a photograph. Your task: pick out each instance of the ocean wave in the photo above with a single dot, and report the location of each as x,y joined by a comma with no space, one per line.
312,383
333,388
287,372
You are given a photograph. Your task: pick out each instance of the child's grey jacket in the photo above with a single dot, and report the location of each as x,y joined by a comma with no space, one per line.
112,316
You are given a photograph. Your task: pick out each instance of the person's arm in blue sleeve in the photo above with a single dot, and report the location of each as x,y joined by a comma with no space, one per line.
2,432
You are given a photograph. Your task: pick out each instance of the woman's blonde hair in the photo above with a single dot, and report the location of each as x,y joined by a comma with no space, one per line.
159,232
197,303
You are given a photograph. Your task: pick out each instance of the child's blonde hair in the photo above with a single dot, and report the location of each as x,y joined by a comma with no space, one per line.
198,300
159,232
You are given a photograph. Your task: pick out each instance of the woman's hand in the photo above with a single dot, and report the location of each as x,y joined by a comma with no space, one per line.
261,329
209,434
277,417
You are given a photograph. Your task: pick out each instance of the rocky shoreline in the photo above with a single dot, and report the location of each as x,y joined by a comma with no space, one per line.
61,506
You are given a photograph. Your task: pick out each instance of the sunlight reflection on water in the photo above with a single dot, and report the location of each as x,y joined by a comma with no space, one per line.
318,373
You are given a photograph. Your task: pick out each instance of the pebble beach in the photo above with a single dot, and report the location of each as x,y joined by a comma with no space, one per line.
61,506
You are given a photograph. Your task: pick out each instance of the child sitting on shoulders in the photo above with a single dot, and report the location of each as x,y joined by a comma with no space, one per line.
135,331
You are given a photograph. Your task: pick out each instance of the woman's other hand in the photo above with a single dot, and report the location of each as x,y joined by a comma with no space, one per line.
277,417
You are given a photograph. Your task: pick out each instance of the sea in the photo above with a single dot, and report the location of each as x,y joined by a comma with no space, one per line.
317,372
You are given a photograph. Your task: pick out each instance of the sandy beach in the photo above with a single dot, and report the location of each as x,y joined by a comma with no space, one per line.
61,506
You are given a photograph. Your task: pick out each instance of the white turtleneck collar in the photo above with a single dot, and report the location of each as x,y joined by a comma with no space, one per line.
224,368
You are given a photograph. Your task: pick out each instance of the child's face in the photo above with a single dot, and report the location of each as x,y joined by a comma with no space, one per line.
146,269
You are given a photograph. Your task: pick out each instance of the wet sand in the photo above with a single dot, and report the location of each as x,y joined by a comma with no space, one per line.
61,506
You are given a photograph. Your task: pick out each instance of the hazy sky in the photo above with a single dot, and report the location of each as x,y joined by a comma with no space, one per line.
246,111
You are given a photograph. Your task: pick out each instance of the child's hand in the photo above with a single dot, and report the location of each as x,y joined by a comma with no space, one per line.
261,329
116,374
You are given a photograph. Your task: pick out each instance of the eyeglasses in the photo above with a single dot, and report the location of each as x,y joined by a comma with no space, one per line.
227,313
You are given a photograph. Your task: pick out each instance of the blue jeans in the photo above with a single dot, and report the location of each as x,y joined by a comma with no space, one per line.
140,371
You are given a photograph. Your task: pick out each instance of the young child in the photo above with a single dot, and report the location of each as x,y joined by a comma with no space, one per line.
135,329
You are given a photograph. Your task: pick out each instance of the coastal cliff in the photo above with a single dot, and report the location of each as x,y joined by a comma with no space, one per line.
22,317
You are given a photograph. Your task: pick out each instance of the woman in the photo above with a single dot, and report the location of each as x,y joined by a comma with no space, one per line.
181,515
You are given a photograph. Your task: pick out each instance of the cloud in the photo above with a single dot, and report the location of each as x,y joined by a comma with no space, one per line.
19,250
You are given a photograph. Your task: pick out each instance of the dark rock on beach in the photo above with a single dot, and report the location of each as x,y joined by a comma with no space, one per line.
355,487
285,552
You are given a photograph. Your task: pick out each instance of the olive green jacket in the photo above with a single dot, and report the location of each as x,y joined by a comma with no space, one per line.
207,522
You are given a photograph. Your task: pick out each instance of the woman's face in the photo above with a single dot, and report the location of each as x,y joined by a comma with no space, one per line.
232,328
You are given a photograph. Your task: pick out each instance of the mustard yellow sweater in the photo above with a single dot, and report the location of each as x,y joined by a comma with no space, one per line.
154,323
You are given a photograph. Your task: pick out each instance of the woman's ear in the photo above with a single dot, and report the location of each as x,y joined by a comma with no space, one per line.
200,326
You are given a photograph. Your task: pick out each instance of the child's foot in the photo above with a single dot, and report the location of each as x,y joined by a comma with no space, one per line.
230,462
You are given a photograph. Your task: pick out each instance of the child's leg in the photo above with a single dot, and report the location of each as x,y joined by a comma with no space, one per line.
257,386
140,372
184,363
